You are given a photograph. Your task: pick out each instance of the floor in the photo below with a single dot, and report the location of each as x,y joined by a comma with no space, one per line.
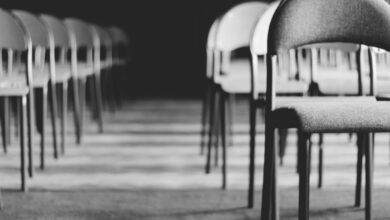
147,165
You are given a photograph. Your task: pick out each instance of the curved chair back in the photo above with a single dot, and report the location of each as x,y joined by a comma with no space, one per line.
13,34
302,22
258,43
57,29
14,37
104,36
211,37
118,36
210,48
79,33
35,27
235,28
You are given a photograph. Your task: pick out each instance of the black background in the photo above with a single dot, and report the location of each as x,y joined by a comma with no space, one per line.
167,37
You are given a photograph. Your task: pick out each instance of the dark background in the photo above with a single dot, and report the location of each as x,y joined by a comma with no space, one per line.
167,38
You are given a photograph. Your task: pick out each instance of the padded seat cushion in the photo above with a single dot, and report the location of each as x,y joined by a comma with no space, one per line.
348,114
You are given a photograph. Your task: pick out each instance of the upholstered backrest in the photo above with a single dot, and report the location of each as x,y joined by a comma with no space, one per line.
13,35
300,22
235,28
80,34
57,29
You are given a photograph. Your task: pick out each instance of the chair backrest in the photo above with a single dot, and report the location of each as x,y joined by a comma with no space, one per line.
211,37
235,28
102,35
301,22
35,27
258,44
80,34
13,34
118,36
57,29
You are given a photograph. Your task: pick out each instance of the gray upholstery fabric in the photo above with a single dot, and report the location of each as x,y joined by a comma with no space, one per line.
301,22
329,115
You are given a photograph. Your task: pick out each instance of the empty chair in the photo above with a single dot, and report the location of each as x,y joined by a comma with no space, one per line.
17,83
60,68
83,70
234,77
209,83
121,59
302,22
41,78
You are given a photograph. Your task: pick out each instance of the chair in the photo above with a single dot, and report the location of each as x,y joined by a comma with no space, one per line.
209,73
81,38
234,77
301,22
43,78
60,68
15,39
120,64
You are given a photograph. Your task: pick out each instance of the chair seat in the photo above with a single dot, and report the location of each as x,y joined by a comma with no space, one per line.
119,62
63,73
13,85
104,64
84,70
333,115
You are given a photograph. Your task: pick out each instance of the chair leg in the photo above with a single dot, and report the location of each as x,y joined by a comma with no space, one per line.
82,101
320,161
211,129
23,170
369,176
304,176
99,101
3,126
76,109
231,107
252,146
30,123
53,117
223,139
217,127
44,116
40,120
204,127
7,114
359,166
64,113
283,133
269,192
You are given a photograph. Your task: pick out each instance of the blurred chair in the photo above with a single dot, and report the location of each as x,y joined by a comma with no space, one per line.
206,116
17,83
43,78
102,63
233,76
121,59
81,40
302,22
60,68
